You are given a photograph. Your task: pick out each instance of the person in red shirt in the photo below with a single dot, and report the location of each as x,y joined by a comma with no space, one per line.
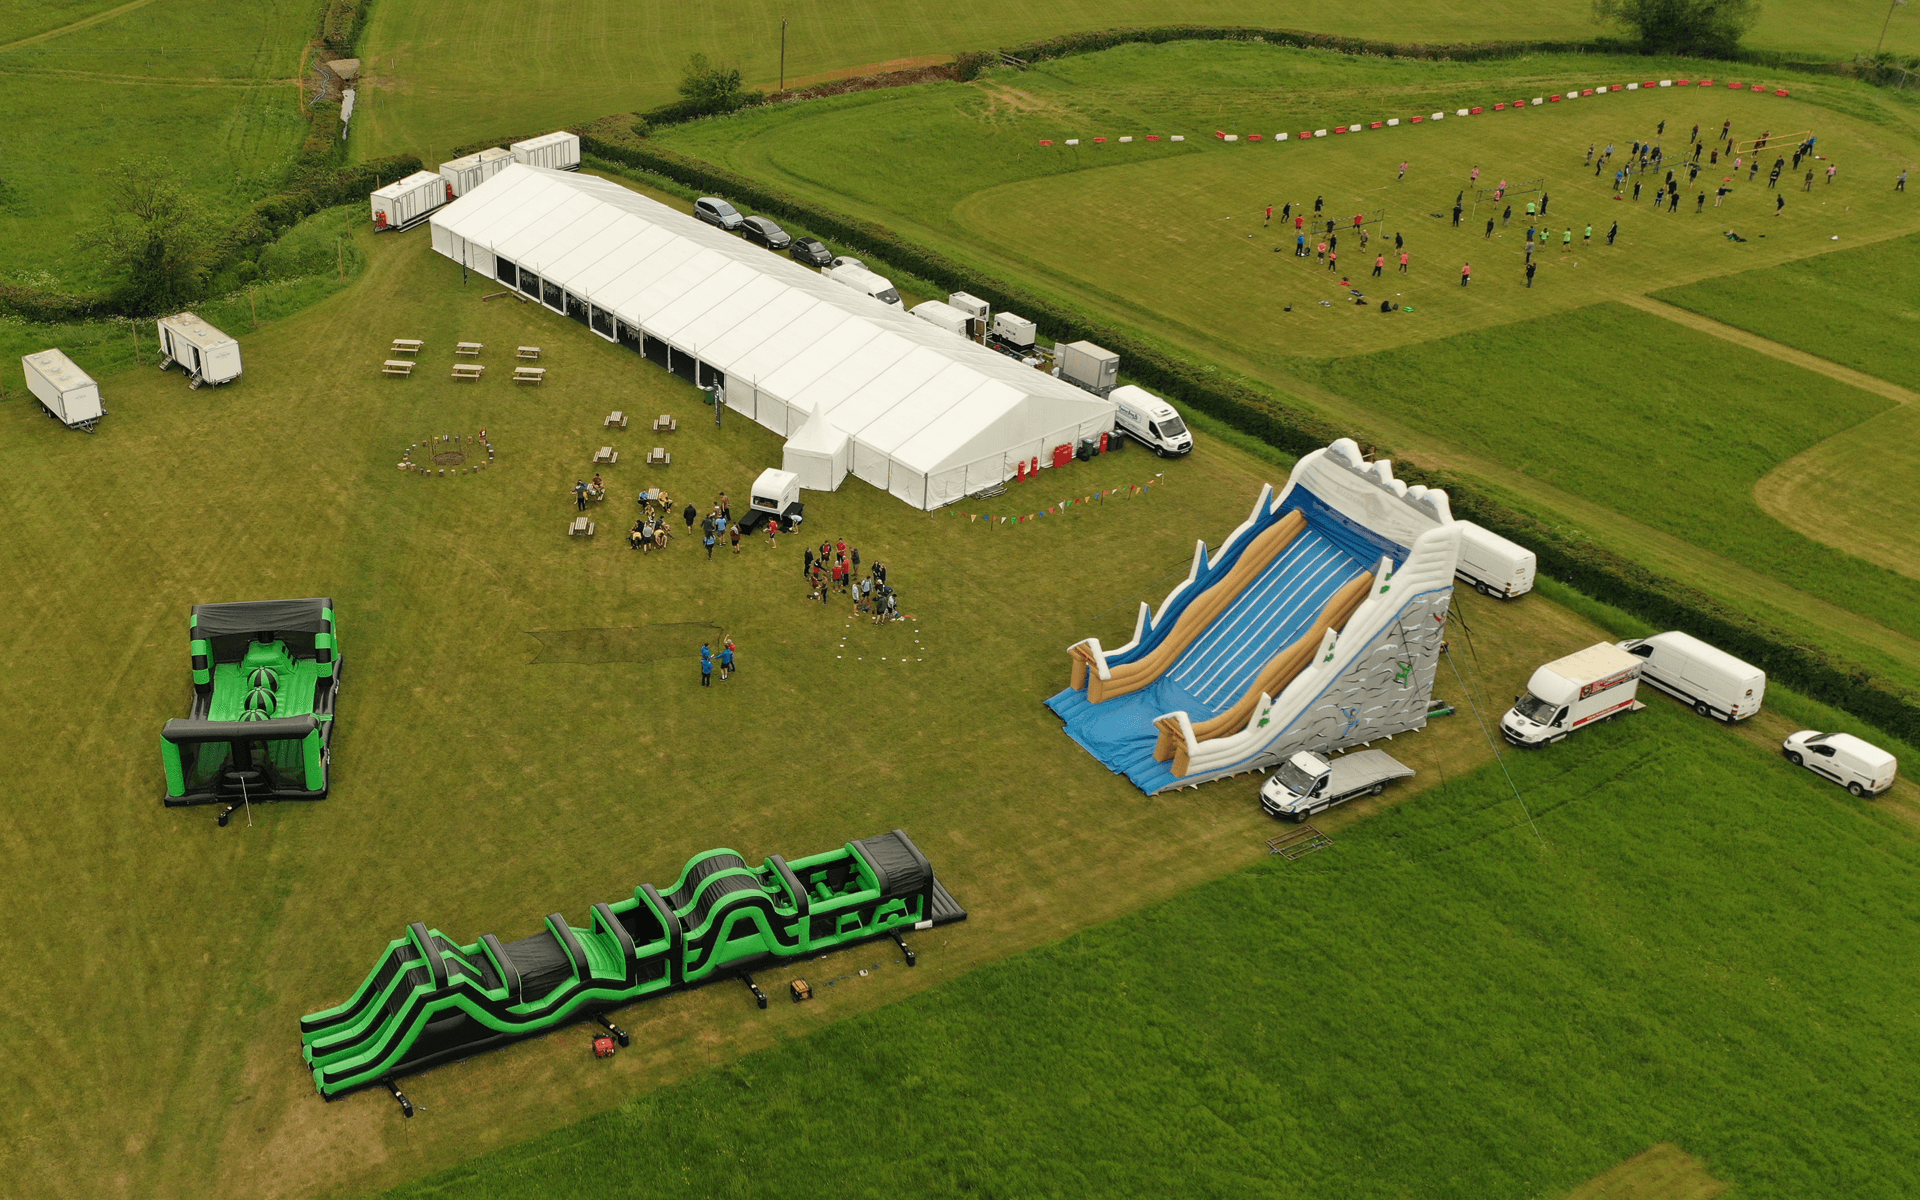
1466,274
1403,261
1357,217
1269,220
1299,223
1379,265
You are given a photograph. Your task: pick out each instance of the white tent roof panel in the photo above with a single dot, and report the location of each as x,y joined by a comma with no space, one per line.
912,396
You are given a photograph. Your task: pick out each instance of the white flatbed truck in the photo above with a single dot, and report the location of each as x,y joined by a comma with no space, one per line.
1310,783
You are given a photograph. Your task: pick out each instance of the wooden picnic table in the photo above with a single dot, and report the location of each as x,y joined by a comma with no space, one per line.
471,349
467,370
580,527
616,418
660,457
407,345
528,352
665,423
397,366
606,454
529,374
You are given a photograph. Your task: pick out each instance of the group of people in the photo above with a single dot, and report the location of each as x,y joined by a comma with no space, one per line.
584,491
835,567
728,663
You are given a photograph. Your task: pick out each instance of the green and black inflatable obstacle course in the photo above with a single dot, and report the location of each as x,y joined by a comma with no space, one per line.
429,999
266,676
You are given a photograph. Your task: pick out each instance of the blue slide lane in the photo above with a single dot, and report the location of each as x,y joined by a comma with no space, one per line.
1272,612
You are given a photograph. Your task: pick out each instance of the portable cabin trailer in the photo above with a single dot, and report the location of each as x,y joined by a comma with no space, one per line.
559,151
69,394
465,174
203,352
410,201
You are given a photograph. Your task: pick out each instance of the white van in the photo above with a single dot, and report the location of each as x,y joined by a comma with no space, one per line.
1714,682
1596,684
1492,564
944,315
1861,767
861,280
1151,420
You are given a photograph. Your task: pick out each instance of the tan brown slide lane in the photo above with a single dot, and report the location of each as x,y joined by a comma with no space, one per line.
1275,676
1131,677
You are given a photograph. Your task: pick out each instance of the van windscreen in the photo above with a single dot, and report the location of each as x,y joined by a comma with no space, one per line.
889,296
1172,426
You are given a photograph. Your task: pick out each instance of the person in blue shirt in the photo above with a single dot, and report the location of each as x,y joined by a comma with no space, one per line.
726,660
706,665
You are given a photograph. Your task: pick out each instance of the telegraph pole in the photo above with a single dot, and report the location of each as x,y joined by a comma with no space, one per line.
783,51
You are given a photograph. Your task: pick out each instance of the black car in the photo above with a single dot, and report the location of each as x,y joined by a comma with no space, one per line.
761,231
811,251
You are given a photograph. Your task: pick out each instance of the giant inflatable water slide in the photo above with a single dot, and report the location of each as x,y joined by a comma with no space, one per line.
1316,627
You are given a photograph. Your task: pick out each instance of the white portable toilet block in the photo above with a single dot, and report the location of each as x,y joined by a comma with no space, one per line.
206,354
69,394
465,174
413,199
558,151
819,454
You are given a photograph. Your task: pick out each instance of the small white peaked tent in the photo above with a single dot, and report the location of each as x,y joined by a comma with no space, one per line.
817,454
859,386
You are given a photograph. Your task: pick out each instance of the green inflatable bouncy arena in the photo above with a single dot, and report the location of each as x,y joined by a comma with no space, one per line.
266,676
430,999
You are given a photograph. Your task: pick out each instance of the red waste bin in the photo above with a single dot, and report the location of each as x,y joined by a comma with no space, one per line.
1034,469
1103,443
1063,454
1020,471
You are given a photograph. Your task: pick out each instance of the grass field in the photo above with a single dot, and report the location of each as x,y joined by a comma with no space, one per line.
1158,243
1859,307
211,87
506,68
478,790
1449,1002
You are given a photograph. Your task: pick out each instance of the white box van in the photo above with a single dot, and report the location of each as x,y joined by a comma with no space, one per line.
1596,684
865,282
1861,767
946,316
1714,682
69,394
1492,564
1151,420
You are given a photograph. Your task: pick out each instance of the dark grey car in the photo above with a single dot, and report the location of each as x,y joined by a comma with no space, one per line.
762,231
811,251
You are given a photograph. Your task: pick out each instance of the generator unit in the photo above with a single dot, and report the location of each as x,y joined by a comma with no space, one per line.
1011,335
976,310
1086,365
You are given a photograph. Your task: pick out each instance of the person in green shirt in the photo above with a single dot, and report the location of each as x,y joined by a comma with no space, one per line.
1566,243
1587,240
1529,212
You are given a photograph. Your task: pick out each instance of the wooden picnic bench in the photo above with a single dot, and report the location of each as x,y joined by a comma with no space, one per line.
616,418
467,370
606,454
580,527
665,423
407,345
529,374
659,457
470,349
397,366
527,352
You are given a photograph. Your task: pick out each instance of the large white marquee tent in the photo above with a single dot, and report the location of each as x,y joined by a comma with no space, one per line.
857,385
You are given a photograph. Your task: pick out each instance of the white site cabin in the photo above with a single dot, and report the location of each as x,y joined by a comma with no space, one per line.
409,201
558,151
203,352
469,172
69,394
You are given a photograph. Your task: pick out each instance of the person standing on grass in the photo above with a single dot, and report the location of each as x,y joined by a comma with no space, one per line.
1808,185
1832,170
1660,130
1318,201
1531,265
1489,232
1403,171
1400,243
1752,172
1506,218
580,495
1299,245
1779,202
806,562
1587,238
1269,219
773,531
733,537
854,558
1636,191
1473,176
1466,274
706,665
1379,265
1900,184
1322,252
690,514
1589,157
1543,204
726,661
1300,222
707,539
1659,198
1719,194
1456,215
1694,136
1333,260
1566,243
1597,168
1286,213
1333,242
1403,261
1700,203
